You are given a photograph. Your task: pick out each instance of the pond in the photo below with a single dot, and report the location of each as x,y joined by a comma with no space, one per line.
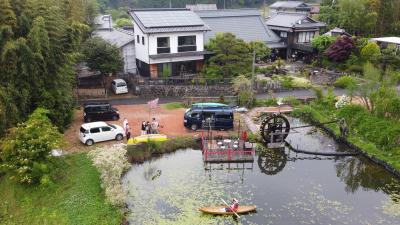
288,188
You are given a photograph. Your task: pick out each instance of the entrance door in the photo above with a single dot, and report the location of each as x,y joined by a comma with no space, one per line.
164,70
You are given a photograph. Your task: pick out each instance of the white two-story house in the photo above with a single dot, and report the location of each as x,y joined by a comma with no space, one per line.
168,42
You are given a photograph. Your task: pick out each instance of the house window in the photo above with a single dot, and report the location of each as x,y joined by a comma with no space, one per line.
305,37
137,39
142,40
163,45
284,34
187,43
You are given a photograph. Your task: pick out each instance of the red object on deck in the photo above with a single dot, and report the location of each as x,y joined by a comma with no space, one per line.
244,136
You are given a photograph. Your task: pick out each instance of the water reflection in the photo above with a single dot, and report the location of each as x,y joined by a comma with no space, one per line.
288,188
357,173
271,161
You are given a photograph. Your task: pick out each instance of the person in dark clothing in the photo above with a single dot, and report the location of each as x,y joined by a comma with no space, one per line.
143,128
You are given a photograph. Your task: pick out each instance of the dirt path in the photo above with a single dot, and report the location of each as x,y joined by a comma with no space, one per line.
171,122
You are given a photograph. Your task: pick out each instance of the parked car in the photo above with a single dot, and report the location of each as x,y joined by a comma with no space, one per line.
91,133
99,111
218,117
119,86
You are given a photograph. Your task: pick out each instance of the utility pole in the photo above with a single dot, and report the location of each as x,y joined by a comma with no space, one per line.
252,76
170,4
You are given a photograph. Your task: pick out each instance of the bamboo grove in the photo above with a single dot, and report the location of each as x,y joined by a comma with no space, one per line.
39,47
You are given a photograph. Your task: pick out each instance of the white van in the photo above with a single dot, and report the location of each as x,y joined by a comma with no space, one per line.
119,86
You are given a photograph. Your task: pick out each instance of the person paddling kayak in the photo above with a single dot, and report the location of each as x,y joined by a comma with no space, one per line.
233,207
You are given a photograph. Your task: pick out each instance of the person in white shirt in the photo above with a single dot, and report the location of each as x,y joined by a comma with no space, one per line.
154,126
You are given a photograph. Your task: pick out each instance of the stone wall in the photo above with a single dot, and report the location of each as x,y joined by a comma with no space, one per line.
182,90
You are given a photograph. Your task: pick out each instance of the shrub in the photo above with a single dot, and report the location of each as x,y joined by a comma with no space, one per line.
112,163
267,102
345,82
25,151
292,101
382,132
370,52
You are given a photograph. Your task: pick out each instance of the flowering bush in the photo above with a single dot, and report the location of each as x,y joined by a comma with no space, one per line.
112,163
25,151
343,100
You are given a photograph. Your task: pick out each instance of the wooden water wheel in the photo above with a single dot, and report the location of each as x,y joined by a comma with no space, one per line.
275,128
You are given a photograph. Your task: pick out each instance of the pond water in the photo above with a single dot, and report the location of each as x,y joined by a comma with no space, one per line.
288,188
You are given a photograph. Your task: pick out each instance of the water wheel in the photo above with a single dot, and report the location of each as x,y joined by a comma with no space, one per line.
275,128
272,161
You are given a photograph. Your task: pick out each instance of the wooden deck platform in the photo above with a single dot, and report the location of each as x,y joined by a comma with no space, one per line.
227,150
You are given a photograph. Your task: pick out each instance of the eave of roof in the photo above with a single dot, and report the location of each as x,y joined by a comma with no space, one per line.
179,54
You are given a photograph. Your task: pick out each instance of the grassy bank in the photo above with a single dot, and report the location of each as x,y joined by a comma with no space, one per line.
144,151
377,137
75,198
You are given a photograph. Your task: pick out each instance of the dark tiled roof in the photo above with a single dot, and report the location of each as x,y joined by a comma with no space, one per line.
246,24
115,36
293,20
289,4
167,20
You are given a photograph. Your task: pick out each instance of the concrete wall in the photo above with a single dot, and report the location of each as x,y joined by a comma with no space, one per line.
128,54
140,49
173,41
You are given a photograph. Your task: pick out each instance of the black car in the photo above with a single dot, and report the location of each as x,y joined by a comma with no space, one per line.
217,117
99,112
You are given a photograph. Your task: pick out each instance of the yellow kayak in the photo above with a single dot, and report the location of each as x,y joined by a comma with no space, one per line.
146,138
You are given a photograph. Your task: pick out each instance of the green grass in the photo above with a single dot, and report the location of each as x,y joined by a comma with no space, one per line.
322,113
174,105
76,198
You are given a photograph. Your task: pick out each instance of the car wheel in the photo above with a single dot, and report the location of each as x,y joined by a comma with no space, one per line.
119,137
89,142
194,127
114,117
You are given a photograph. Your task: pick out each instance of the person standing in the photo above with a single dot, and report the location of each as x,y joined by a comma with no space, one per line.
143,128
125,123
128,132
154,126
147,127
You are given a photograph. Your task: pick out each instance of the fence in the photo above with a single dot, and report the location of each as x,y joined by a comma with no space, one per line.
91,93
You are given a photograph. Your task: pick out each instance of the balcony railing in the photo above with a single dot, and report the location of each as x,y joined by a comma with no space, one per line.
187,48
163,50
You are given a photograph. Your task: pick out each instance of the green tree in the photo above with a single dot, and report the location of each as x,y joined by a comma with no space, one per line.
356,17
262,50
370,52
25,151
102,56
231,57
123,22
242,87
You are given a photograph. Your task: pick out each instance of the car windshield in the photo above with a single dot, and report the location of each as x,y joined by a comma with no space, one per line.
111,125
83,130
121,84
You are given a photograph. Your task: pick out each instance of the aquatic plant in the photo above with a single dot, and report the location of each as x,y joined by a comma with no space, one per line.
111,163
143,151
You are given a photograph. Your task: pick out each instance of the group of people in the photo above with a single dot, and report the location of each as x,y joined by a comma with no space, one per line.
146,128
150,128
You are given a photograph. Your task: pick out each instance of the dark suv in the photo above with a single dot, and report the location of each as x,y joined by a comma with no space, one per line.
99,111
